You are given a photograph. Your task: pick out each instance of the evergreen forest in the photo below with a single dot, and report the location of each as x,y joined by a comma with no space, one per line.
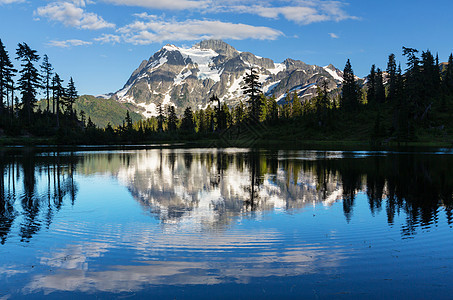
397,104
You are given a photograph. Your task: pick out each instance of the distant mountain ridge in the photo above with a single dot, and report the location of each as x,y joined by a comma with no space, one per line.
189,77
101,111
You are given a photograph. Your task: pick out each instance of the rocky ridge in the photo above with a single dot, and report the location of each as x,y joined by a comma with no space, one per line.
189,77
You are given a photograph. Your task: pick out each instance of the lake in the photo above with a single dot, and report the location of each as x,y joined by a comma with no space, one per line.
226,224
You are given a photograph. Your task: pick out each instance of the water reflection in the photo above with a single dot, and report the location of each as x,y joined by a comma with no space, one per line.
209,188
33,202
204,217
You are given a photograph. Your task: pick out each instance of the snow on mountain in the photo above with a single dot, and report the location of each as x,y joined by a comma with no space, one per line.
336,74
189,77
202,58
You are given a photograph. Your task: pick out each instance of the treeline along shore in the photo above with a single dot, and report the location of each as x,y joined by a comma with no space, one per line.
409,104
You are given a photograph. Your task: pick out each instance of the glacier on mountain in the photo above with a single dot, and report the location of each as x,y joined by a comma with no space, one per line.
185,77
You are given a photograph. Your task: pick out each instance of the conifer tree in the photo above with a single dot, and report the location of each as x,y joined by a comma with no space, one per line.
430,77
436,73
413,84
380,89
187,123
128,121
210,118
239,113
83,117
350,92
220,119
415,94
263,108
287,106
172,118
227,116
321,102
58,92
29,80
6,75
160,118
447,81
401,123
201,121
273,114
46,69
252,88
71,95
371,92
297,106
391,70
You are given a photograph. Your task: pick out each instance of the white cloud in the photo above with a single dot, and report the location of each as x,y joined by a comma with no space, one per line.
333,35
163,4
302,12
154,30
299,11
68,43
71,15
11,1
108,38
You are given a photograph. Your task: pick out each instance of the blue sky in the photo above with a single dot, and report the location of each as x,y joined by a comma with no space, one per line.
100,42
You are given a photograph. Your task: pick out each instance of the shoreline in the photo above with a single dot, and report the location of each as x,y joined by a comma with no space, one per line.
43,143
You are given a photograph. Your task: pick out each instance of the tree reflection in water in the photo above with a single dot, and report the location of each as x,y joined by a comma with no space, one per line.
33,208
211,187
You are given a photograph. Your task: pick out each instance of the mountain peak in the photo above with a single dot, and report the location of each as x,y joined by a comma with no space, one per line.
218,46
184,77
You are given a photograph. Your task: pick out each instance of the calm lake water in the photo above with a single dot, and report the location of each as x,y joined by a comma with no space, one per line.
226,224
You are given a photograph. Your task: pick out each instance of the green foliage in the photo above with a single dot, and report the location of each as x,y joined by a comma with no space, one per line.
392,73
418,108
447,82
29,80
172,119
46,69
297,106
350,92
252,88
104,111
187,123
71,95
380,90
7,72
371,92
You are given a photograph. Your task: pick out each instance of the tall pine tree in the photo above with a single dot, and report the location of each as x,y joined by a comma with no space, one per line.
350,92
71,96
172,119
46,69
58,95
29,80
380,89
371,92
252,88
187,123
447,81
6,75
413,85
391,70
160,118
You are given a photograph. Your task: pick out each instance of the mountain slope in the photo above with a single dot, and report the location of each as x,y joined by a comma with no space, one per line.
101,111
189,77
104,111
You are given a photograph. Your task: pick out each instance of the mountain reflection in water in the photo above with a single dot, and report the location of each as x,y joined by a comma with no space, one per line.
208,210
208,188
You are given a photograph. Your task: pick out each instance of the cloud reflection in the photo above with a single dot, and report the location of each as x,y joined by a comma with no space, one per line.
189,260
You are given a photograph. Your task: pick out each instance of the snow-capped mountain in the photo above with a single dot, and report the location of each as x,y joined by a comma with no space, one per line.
189,77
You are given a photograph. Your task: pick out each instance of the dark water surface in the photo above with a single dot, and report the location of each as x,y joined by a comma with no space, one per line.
226,224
